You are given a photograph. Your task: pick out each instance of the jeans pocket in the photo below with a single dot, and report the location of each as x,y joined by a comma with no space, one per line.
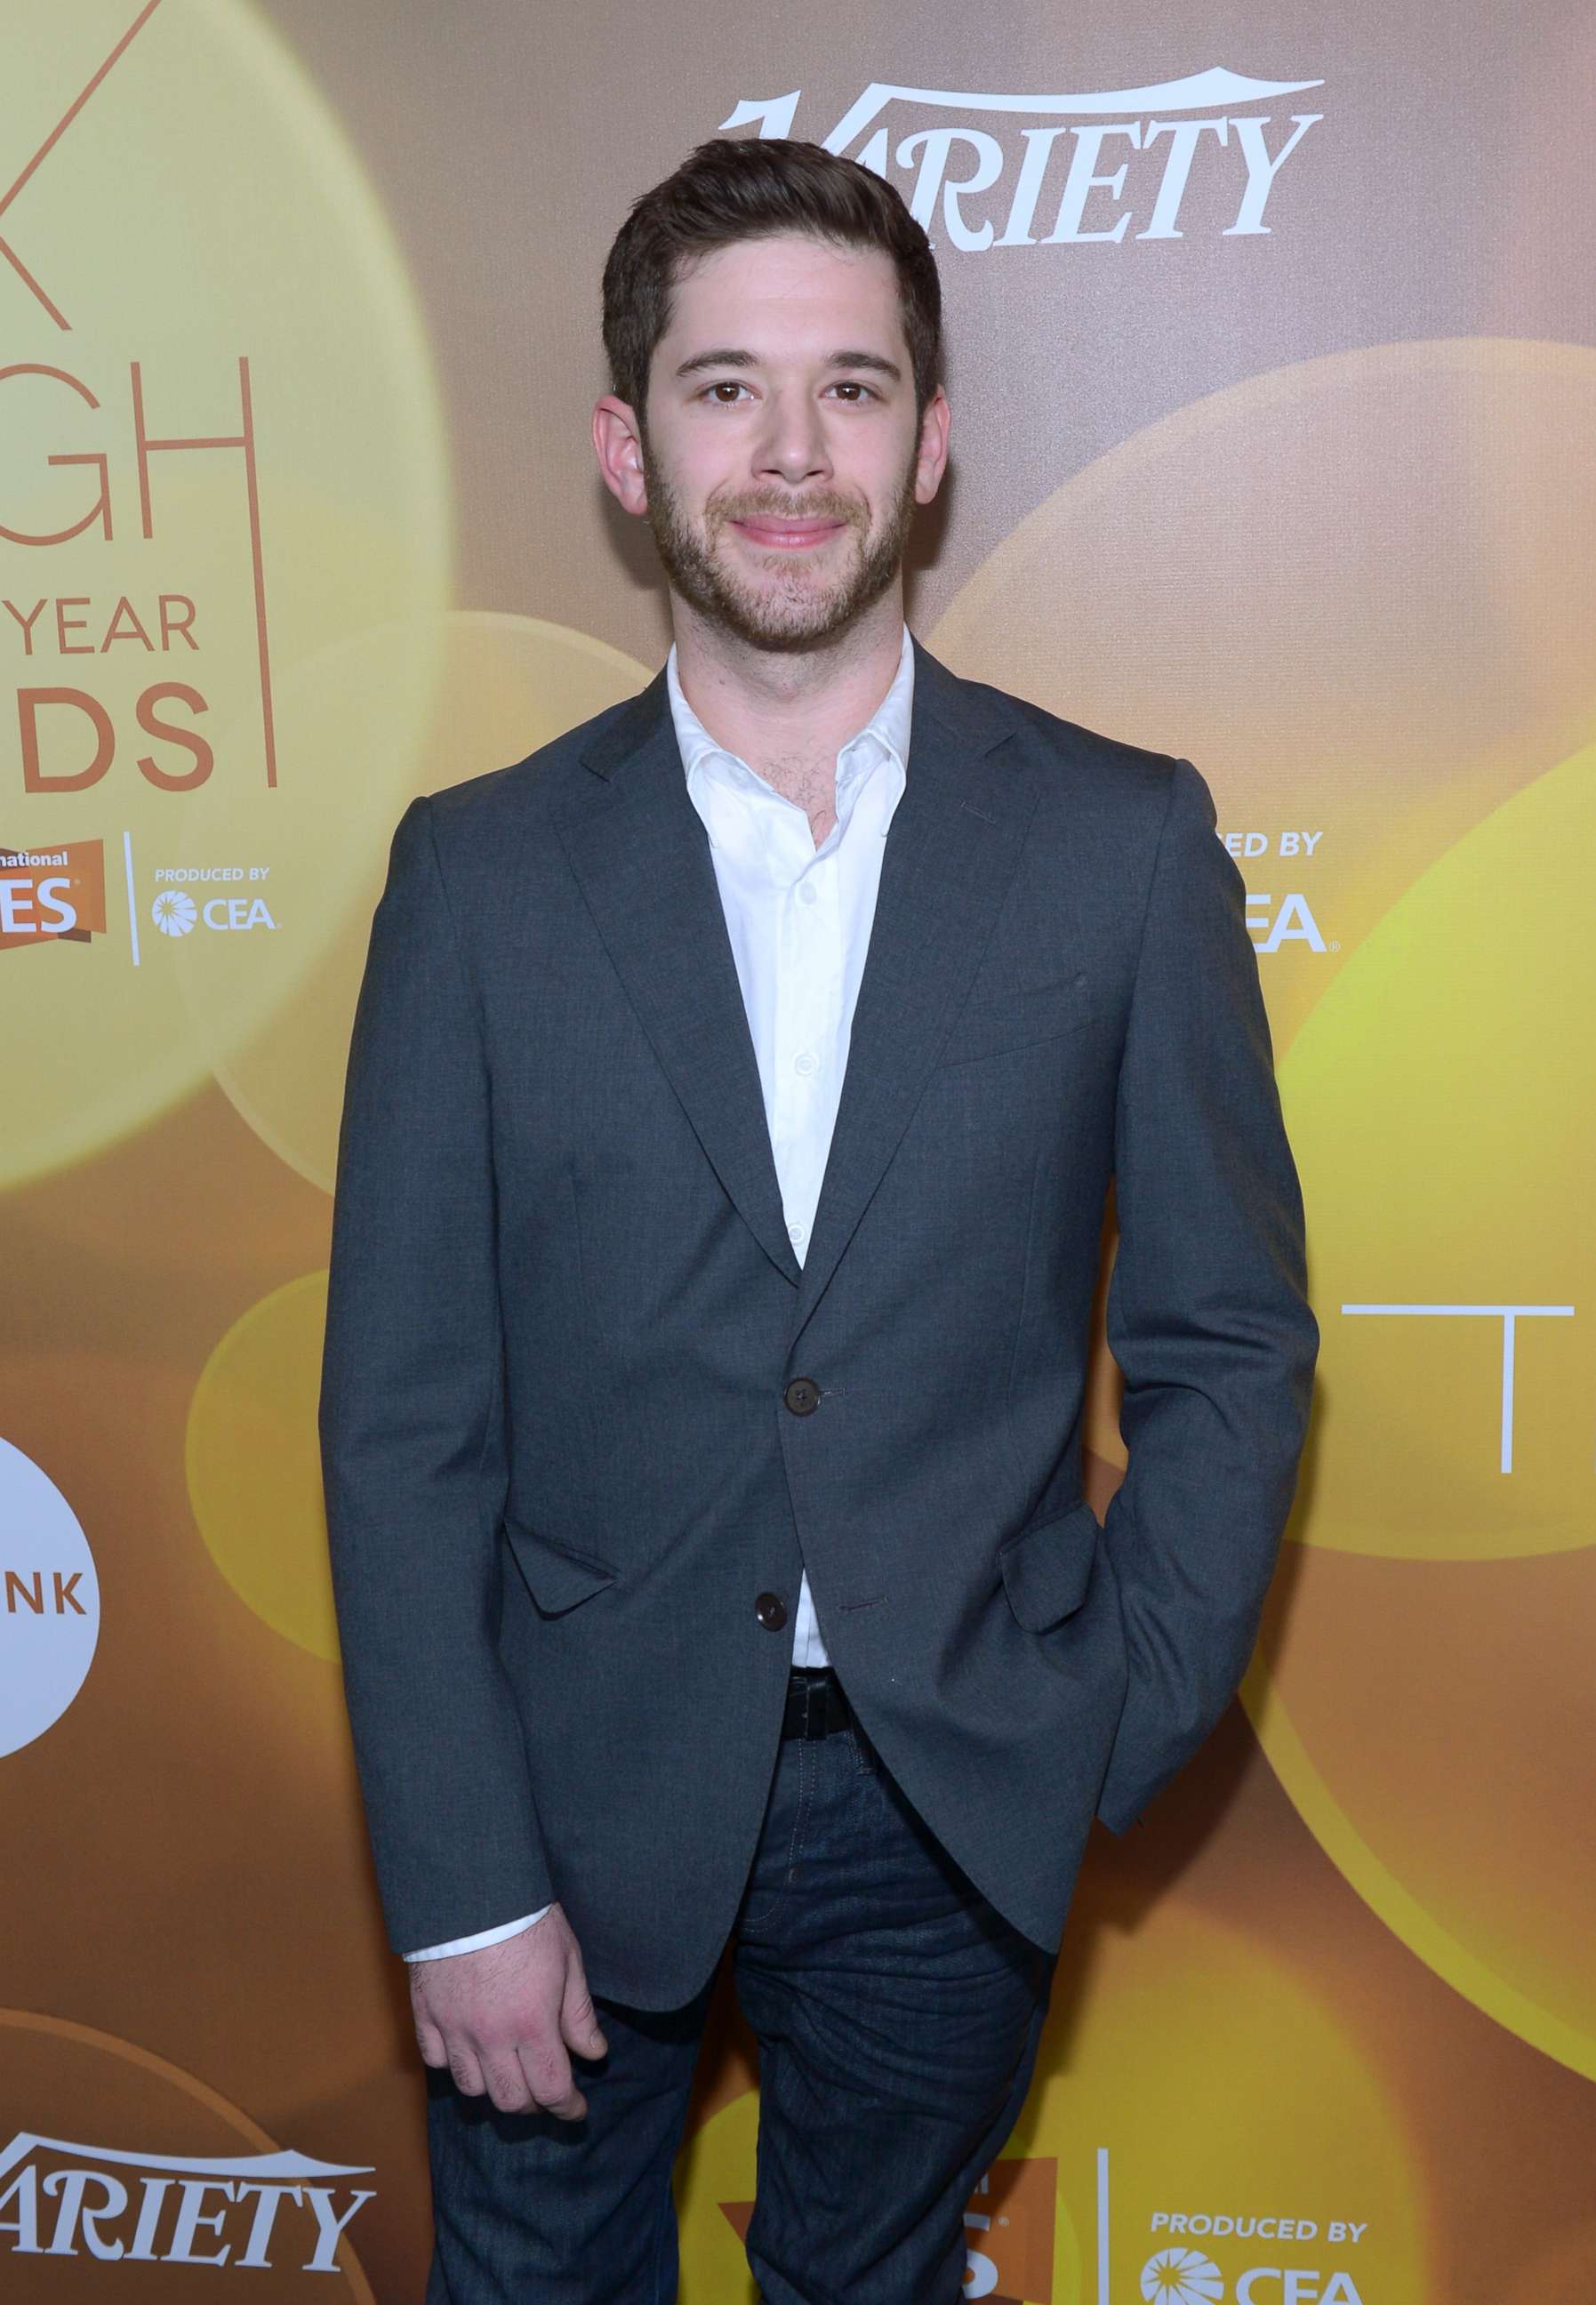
867,1761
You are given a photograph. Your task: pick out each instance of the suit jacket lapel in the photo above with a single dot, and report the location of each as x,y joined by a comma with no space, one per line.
951,852
641,853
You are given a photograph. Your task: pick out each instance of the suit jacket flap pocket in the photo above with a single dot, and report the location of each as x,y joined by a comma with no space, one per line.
1046,1567
555,1578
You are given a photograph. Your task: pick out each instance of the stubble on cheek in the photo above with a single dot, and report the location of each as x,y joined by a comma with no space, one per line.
794,614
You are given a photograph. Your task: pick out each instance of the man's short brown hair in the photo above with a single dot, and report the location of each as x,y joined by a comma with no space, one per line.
727,192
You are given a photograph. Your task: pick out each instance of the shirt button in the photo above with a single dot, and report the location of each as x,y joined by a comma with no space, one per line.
807,1063
802,1396
795,1234
771,1611
808,894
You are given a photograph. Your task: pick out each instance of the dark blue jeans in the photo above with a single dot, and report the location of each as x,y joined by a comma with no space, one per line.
898,2017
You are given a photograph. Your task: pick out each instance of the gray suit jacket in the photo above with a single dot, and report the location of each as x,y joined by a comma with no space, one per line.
560,1464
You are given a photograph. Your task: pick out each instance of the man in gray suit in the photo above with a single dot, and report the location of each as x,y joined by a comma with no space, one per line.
734,1097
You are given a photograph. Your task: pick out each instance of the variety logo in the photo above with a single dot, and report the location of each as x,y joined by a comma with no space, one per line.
52,895
1180,2276
253,2209
49,1602
1069,168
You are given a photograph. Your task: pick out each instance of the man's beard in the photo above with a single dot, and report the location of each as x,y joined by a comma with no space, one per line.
797,611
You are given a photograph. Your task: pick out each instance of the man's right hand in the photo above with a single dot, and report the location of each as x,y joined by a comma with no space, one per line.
505,2020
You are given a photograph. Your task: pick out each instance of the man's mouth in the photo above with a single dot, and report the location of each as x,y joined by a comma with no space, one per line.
788,535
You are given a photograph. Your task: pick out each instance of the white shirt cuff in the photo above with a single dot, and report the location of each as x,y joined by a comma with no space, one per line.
486,1937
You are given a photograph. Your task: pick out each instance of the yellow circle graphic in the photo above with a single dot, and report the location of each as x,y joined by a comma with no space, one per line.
1418,1713
1426,1695
1357,592
1158,2093
1441,1102
221,457
502,685
1153,2123
253,1470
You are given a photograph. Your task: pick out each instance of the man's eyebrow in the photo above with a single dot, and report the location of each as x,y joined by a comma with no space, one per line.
734,356
724,356
876,363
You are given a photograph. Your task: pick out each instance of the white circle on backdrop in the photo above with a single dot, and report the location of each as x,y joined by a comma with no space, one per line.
49,1602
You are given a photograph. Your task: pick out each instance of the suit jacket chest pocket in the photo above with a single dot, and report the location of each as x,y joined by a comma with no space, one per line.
995,1024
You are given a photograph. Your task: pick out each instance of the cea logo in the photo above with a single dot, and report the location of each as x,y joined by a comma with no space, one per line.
1185,2276
175,914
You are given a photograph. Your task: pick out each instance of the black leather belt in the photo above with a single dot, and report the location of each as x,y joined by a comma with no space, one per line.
816,1706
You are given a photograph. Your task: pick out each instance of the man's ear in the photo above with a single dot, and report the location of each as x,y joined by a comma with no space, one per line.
932,460
618,444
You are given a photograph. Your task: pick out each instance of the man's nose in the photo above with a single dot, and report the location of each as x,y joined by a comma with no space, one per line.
791,447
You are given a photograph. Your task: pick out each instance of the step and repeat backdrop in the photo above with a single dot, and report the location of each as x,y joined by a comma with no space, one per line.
1272,356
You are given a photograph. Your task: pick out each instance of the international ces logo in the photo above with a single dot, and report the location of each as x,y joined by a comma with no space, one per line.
52,895
1034,171
58,896
251,2210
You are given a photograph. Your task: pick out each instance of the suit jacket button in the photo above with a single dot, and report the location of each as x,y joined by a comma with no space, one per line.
802,1396
771,1611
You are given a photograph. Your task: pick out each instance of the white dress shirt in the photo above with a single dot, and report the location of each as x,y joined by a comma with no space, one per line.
799,919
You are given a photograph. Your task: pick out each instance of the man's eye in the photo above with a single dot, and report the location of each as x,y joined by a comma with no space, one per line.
848,384
723,384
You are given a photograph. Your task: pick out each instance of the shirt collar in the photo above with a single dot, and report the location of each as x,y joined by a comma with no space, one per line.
884,734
